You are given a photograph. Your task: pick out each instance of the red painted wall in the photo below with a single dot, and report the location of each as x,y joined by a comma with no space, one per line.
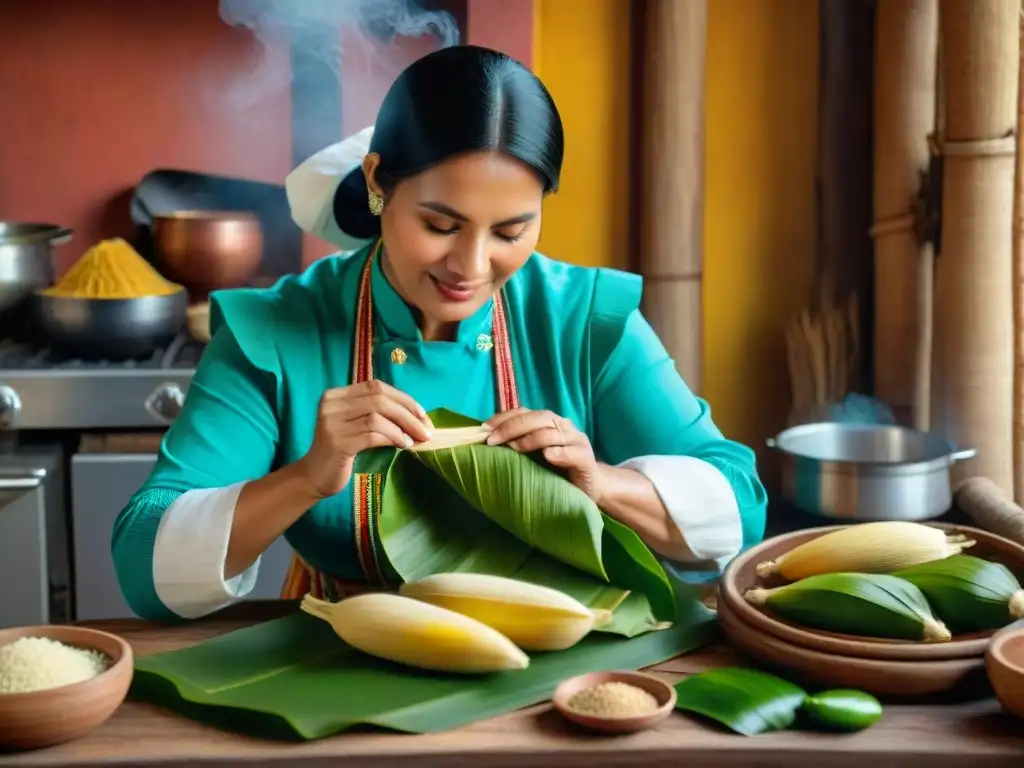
98,93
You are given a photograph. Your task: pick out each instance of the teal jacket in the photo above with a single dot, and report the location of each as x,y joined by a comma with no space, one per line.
581,349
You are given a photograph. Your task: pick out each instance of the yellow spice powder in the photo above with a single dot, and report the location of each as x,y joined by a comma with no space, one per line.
613,700
112,269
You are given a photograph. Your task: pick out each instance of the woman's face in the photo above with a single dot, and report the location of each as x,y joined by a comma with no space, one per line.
455,233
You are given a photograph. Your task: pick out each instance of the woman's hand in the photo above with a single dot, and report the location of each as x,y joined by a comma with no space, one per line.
352,419
558,440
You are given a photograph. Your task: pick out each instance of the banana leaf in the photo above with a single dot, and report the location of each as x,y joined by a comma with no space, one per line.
490,509
292,678
746,701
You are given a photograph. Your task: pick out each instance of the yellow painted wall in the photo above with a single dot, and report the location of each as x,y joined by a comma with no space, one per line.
760,160
581,52
759,225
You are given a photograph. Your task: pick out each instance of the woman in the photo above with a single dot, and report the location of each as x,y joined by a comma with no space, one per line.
443,304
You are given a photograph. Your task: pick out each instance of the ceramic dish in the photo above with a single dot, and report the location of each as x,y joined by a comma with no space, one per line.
740,575
1004,663
58,715
885,678
664,693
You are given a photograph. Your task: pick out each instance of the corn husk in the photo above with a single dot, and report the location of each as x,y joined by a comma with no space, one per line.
863,604
877,547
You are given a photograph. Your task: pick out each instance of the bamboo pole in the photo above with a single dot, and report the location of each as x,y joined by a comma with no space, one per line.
1018,300
906,44
972,381
672,187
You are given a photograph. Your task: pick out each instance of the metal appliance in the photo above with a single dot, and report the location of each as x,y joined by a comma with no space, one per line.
49,400
867,471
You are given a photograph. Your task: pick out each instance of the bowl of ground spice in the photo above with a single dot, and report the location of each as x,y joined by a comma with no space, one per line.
58,682
615,701
111,304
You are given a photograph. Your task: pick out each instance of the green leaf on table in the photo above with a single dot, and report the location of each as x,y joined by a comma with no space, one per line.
842,710
746,701
489,509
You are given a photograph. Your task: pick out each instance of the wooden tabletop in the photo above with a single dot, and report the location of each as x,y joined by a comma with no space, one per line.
976,734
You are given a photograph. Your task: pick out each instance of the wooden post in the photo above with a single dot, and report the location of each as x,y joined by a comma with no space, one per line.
906,54
972,380
1018,302
672,182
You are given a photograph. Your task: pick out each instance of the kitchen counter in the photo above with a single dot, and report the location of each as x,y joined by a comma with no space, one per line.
976,734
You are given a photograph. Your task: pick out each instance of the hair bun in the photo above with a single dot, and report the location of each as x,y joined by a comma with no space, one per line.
352,207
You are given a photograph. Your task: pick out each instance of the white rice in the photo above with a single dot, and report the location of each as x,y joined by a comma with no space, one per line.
38,663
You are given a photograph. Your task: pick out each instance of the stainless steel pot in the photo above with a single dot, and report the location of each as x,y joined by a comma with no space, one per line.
26,259
112,329
867,471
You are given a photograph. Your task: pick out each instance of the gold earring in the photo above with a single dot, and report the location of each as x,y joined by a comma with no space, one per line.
376,204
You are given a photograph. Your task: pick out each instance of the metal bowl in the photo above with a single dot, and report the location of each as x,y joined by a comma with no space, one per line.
113,329
867,471
208,250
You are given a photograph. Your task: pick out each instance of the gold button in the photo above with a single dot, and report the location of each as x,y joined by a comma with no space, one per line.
398,356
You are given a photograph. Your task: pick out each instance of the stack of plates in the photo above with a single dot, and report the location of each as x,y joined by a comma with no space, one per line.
888,668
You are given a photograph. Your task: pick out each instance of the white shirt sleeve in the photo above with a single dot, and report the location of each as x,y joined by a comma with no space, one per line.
190,551
700,501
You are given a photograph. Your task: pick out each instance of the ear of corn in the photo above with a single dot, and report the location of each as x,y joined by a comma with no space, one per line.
968,593
418,634
535,618
868,605
880,547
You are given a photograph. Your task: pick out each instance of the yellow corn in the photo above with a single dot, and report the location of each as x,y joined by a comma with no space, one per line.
880,547
535,618
418,634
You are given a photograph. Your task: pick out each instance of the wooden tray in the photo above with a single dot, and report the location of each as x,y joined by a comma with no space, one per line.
887,679
740,575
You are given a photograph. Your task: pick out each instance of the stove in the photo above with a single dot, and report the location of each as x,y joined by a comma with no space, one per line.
40,388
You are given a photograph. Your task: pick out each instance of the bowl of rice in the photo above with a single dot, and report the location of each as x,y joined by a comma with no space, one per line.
59,682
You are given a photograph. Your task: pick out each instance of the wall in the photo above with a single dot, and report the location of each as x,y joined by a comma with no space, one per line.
759,211
99,93
582,53
759,204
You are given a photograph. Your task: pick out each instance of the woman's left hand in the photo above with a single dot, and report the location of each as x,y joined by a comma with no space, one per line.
558,440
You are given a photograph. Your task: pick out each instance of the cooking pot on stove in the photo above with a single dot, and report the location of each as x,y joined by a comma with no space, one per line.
26,259
867,471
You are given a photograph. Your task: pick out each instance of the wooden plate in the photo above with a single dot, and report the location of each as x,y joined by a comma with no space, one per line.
740,575
884,678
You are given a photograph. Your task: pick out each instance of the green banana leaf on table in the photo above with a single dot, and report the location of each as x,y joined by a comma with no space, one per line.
477,508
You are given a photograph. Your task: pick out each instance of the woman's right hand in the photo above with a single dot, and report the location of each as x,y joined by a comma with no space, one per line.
354,418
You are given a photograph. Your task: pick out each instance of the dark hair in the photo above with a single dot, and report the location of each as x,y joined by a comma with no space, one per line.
455,100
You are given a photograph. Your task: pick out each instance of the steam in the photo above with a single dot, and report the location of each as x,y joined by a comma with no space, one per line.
322,28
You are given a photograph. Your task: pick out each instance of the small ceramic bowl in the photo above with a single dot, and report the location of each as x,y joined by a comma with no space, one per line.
1004,663
58,715
664,693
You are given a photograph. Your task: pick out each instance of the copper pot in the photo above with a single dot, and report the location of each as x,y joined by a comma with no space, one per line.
208,250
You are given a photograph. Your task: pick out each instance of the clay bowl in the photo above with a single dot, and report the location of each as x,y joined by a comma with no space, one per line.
1004,663
58,715
740,575
885,678
660,690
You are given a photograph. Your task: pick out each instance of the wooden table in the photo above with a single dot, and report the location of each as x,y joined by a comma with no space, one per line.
974,735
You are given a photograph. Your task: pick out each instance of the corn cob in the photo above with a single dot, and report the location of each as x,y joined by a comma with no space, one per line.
880,547
869,605
418,634
968,593
533,617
